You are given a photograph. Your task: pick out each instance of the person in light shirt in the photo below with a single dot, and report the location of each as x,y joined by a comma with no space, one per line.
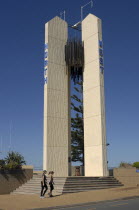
44,187
51,183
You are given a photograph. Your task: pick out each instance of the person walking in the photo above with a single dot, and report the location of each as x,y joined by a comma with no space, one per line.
44,187
51,183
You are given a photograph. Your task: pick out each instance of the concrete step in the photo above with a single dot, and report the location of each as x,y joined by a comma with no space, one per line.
27,188
90,177
64,191
78,180
38,187
77,177
35,191
33,186
79,184
48,178
67,187
97,181
72,184
76,186
55,181
85,190
39,184
39,180
69,184
93,185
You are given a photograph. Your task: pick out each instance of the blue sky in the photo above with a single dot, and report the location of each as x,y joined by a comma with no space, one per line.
21,73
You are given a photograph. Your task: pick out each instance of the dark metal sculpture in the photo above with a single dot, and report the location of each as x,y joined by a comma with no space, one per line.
74,57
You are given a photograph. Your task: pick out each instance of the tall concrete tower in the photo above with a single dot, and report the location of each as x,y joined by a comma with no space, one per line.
93,94
56,147
63,58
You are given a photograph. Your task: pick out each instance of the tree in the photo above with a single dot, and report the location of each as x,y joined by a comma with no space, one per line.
136,164
77,131
2,164
125,165
14,160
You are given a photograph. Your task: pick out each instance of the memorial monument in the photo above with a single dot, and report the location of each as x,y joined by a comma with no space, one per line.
65,58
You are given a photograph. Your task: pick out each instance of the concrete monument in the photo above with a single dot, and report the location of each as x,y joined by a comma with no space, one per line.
63,58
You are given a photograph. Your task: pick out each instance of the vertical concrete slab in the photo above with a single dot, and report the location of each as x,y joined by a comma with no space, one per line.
56,100
93,95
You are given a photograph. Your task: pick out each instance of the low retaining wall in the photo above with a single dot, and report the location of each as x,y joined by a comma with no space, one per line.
12,179
128,177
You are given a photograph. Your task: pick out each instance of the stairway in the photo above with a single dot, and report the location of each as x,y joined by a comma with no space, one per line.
79,184
33,186
68,184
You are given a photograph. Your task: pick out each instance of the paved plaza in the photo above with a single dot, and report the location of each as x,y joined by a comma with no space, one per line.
124,204
27,202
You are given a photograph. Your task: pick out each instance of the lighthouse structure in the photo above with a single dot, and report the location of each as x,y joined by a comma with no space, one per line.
74,58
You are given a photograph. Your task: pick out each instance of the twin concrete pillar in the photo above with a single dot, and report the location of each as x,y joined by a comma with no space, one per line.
57,138
56,100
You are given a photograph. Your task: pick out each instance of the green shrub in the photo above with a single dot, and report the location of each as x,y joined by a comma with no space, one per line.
2,164
136,164
14,160
125,165
12,165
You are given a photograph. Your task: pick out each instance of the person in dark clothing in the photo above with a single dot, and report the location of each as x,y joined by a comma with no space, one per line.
44,187
51,183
